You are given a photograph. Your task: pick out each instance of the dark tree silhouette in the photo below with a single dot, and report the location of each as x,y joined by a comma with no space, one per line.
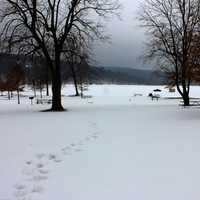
172,26
44,26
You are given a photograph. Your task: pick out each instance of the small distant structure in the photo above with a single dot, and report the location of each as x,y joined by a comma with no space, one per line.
138,95
171,88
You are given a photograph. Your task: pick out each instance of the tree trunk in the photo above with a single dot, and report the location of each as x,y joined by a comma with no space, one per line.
47,81
75,80
40,90
185,96
56,88
8,95
34,89
185,92
18,97
186,99
47,88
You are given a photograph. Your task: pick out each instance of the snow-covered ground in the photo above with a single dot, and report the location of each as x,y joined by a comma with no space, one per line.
113,146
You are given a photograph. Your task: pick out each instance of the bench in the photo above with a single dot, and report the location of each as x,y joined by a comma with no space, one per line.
43,101
154,96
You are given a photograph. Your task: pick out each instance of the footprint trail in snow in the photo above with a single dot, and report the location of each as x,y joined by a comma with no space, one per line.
36,171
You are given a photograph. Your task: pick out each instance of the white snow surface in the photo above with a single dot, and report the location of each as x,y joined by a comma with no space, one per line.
113,146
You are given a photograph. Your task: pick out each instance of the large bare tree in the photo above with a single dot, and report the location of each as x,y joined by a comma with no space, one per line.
43,26
173,26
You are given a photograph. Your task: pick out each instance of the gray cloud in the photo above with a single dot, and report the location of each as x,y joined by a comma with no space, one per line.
127,40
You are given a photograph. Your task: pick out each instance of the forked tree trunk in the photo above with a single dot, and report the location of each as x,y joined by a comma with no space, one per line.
184,94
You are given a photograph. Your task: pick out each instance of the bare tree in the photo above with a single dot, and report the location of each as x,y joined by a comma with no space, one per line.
77,50
82,75
172,26
44,26
38,73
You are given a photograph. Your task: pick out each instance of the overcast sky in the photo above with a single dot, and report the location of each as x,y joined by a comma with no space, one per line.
126,37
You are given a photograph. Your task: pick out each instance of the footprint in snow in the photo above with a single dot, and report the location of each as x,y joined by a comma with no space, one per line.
37,189
40,165
43,171
39,178
29,162
19,187
40,155
55,158
52,156
28,171
20,193
67,150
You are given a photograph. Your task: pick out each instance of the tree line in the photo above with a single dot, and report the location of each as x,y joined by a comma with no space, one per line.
16,71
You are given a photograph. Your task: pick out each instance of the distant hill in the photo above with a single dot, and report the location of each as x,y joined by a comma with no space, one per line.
120,75
99,75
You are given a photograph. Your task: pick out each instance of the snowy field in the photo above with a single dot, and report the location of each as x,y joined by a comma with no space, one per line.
113,146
